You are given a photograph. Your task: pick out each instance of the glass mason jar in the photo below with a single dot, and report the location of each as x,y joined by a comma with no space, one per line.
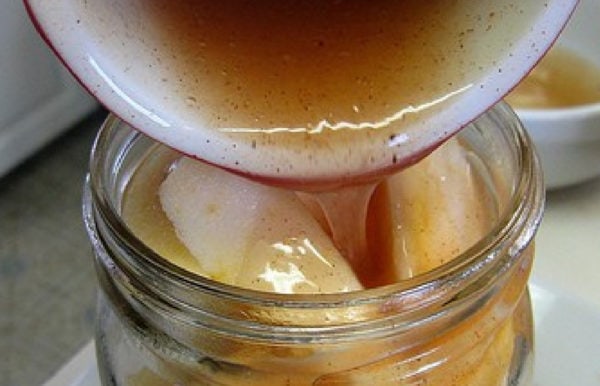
468,322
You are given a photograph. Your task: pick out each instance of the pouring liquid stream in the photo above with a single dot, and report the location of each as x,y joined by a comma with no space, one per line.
346,209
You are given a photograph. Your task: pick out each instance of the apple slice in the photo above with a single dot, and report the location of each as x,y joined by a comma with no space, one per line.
431,212
250,235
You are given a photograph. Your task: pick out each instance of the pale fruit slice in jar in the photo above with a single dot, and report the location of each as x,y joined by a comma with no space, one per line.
250,235
419,220
430,213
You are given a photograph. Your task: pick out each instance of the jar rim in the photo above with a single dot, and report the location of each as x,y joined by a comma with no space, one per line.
495,252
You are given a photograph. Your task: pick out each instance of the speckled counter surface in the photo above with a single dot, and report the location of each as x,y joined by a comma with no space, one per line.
47,283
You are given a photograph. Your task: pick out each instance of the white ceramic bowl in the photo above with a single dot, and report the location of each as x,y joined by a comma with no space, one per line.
568,139
120,55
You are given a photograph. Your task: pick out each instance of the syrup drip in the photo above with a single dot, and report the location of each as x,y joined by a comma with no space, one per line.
346,209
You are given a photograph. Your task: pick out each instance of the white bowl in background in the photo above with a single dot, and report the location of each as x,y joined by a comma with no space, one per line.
568,139
568,142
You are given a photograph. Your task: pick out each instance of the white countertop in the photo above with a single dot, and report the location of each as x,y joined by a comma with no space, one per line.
565,288
568,243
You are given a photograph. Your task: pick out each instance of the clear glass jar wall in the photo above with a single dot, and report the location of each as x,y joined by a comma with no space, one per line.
468,322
